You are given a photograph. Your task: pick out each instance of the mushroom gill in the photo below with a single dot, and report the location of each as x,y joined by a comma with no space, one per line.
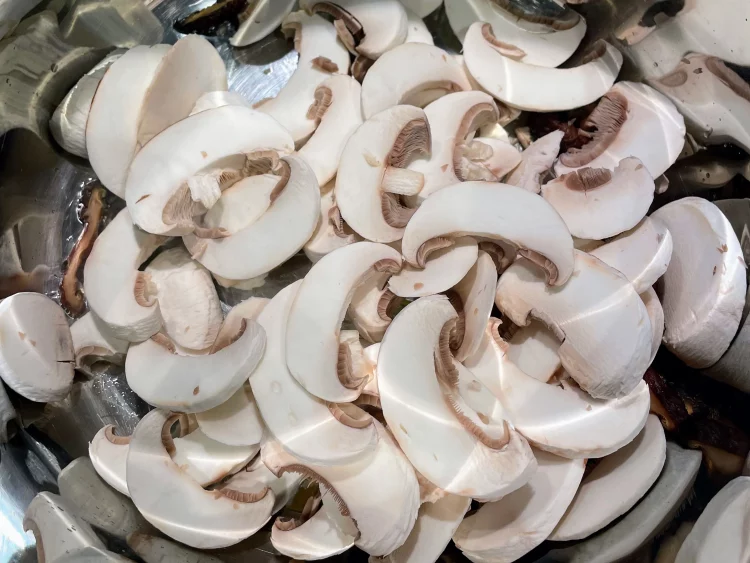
323,99
587,179
430,246
360,66
112,438
350,415
547,265
505,49
350,30
312,505
345,368
325,64
467,156
246,498
308,473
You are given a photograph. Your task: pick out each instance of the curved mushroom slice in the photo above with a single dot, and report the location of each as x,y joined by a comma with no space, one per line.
310,429
703,290
615,485
597,203
422,8
161,377
331,232
36,349
598,316
536,162
177,505
474,208
403,73
642,254
235,422
338,109
417,31
443,269
275,237
373,179
108,453
241,204
499,69
320,54
206,151
476,291
247,309
443,437
631,120
217,99
155,549
259,20
373,307
384,514
656,316
534,350
497,156
256,476
509,528
94,346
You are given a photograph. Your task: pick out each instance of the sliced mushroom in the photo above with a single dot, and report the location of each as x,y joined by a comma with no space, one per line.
534,350
331,232
259,20
703,290
242,204
247,309
256,476
217,99
371,309
499,68
656,316
536,162
417,31
94,346
235,422
155,549
499,157
422,8
109,452
476,291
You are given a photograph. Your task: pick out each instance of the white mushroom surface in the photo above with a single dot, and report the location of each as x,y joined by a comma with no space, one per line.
417,31
95,346
656,316
256,476
328,235
476,291
260,20
109,454
536,162
236,422
533,349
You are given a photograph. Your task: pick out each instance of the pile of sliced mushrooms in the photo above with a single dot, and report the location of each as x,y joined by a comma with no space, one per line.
477,320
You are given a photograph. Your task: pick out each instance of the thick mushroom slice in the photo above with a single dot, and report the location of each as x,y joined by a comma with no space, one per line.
475,209
207,152
256,476
94,346
615,485
598,316
373,177
403,73
536,162
36,349
656,316
597,203
631,120
235,422
509,528
109,453
248,309
177,505
445,437
703,290
331,233
476,291
310,429
499,68
379,491
259,20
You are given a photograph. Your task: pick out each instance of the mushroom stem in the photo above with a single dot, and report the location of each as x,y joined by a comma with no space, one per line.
402,181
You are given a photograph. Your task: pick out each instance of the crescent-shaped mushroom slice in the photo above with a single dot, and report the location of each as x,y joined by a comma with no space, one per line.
155,549
615,485
259,20
236,422
161,377
248,309
422,8
497,156
597,203
598,316
476,291
331,233
403,73
177,505
373,307
310,429
499,69
36,348
533,349
373,177
109,453
256,476
536,162
207,152
94,345
217,99
656,316
384,514
277,235
509,528
631,120
703,290
480,209
451,444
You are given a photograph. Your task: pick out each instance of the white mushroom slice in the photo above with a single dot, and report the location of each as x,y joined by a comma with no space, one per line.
109,453
373,177
310,429
236,422
320,55
477,293
417,31
548,49
499,156
451,446
656,316
204,150
475,209
534,350
256,475
509,528
241,204
597,203
642,254
632,120
330,234
155,549
247,309
259,20
338,109
422,8
217,99
598,316
178,506
370,309
36,349
94,346
114,118
275,237
404,72
384,514
536,162
117,293
161,377
443,270
703,290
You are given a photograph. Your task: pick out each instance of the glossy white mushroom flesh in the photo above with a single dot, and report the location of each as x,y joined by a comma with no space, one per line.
259,20
476,292
109,453
95,347
656,316
256,476
536,162
236,422
417,31
331,232
533,349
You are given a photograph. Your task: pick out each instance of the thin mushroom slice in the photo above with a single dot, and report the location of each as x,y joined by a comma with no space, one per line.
248,309
331,233
259,20
656,316
447,441
476,291
496,156
94,346
474,209
256,476
36,348
509,528
534,350
372,308
373,177
703,290
384,514
235,422
408,70
177,505
536,162
598,316
631,120
615,485
417,31
597,203
109,452
499,68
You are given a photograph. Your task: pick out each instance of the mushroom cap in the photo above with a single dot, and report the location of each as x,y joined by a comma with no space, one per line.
260,21
109,453
93,344
703,290
656,316
597,300
476,291
326,238
235,422
536,162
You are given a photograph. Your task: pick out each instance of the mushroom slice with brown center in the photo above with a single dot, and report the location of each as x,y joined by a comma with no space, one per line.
536,162
109,453
476,291
331,232
94,346
236,422
259,20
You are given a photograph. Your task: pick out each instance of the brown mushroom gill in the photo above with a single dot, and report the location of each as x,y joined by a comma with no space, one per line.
505,49
466,156
346,24
544,12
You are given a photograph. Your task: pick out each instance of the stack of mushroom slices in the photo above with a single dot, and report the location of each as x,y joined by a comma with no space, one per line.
382,374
